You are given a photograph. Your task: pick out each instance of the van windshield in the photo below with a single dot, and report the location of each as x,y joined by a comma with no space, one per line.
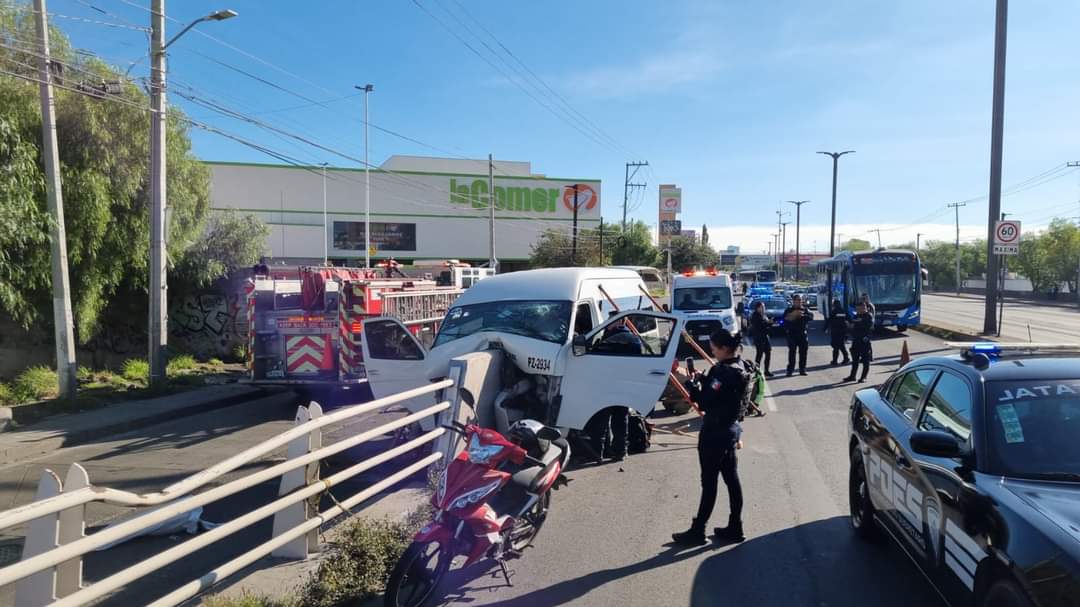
702,298
543,320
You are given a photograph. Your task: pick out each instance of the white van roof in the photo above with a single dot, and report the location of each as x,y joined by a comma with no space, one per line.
721,280
552,284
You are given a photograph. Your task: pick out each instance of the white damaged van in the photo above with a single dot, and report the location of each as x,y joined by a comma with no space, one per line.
569,359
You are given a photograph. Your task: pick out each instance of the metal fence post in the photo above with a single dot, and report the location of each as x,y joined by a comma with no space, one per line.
296,514
72,527
41,533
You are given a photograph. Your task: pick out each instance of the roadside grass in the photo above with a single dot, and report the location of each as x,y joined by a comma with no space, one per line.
35,383
136,370
355,569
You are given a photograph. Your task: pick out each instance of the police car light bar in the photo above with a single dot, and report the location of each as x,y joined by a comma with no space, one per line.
994,348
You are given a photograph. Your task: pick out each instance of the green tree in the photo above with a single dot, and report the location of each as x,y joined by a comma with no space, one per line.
634,247
856,244
555,249
939,259
688,253
1034,262
1061,242
104,155
231,241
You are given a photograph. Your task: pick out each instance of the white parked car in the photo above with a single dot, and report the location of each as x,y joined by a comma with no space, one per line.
569,358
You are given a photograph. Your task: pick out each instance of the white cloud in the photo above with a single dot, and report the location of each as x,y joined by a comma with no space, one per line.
654,72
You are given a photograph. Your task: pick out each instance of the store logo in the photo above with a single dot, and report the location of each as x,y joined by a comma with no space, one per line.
586,197
474,193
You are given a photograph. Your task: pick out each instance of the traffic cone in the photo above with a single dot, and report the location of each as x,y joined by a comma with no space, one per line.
905,356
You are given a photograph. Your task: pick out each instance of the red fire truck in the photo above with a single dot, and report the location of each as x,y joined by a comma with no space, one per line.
306,331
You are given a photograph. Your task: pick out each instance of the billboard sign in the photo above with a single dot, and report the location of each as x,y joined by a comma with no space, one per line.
670,227
670,199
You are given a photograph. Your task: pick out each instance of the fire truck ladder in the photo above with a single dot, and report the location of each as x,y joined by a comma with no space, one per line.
419,307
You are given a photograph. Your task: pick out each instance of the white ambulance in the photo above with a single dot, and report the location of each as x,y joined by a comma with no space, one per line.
569,357
705,300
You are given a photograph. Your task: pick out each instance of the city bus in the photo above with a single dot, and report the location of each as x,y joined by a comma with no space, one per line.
751,277
892,279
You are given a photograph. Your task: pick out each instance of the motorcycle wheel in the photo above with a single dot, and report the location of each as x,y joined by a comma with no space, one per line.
417,574
527,526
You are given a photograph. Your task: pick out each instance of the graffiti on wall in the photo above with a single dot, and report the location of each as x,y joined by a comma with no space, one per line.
209,324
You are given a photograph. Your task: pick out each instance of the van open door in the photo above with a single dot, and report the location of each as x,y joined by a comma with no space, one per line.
619,366
394,360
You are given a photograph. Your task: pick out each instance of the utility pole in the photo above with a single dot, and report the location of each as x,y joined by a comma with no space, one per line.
798,208
602,241
367,88
957,205
783,249
627,185
997,127
492,261
159,336
325,226
832,224
878,230
573,245
61,287
918,242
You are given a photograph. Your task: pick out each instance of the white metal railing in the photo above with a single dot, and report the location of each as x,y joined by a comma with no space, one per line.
50,571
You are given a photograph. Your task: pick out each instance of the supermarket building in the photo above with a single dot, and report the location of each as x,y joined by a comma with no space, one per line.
421,208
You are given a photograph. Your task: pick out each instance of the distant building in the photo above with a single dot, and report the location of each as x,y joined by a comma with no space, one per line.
732,250
691,234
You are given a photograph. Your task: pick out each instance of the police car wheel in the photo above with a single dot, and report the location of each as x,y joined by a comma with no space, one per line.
1005,593
862,510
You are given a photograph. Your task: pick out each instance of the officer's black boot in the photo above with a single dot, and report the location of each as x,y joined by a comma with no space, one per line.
694,536
732,533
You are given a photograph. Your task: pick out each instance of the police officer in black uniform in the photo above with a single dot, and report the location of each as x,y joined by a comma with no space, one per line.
760,324
837,328
796,319
720,394
861,350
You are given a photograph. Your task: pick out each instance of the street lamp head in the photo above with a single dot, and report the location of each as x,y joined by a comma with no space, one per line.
837,154
367,88
221,15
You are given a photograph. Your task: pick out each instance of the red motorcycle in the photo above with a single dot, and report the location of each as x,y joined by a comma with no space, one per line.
491,501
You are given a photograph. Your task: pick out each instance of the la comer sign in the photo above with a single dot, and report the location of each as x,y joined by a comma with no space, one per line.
525,199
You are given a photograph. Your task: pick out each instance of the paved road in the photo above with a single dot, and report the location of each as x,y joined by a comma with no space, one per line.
607,540
1049,323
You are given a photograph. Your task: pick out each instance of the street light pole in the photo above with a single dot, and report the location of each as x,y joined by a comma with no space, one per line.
798,208
783,248
367,88
158,338
832,225
325,226
997,126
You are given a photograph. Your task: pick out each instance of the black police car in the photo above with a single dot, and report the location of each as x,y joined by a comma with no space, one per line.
972,464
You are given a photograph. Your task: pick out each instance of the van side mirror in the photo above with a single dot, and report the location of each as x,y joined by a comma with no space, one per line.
667,308
937,444
580,345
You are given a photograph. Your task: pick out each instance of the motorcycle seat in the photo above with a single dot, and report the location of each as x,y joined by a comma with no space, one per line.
527,477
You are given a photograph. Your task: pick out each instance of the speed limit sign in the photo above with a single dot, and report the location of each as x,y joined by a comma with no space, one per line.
1007,238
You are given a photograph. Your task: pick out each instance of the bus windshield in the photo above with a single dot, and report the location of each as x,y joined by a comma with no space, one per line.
887,279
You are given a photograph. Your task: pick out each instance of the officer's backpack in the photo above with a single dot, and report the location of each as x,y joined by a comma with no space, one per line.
754,394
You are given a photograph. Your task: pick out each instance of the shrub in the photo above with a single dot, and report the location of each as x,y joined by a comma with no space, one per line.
183,362
136,370
215,362
363,557
85,375
239,353
35,383
248,600
7,395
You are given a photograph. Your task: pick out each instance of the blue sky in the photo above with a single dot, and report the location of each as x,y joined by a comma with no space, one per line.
730,100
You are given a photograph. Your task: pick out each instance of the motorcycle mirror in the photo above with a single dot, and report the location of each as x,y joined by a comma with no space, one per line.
580,345
467,397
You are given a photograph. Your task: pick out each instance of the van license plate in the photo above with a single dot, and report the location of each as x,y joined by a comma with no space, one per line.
703,337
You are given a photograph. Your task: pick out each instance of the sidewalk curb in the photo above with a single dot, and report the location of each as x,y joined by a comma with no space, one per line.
948,333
